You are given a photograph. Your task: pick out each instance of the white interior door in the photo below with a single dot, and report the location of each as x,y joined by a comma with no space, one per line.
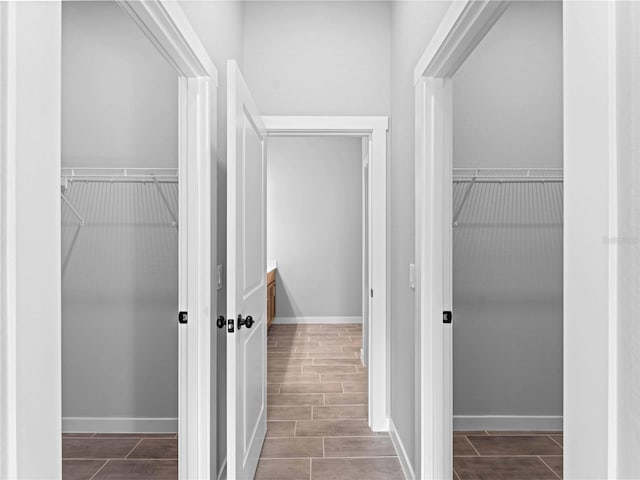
246,289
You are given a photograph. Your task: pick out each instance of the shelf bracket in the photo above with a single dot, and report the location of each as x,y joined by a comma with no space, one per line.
174,220
464,200
72,208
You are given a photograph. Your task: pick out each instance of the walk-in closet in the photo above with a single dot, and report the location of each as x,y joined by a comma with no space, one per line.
119,207
507,240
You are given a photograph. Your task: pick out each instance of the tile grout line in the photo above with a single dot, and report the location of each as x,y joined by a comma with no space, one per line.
99,470
554,441
134,447
545,463
472,445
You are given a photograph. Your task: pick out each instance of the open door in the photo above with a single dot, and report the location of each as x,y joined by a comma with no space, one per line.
246,280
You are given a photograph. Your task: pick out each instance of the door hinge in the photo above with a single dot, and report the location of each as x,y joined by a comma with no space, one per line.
183,317
372,293
230,328
447,317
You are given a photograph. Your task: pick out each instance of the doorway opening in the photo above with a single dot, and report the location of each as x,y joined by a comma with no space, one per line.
490,160
135,233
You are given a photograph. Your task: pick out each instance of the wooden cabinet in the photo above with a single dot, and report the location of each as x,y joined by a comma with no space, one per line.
271,297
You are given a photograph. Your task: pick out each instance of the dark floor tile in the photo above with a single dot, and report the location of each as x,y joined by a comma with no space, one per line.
281,429
462,447
502,468
555,463
292,447
165,448
559,439
80,469
355,387
469,432
515,445
296,399
289,413
283,469
523,432
329,428
350,412
77,435
357,398
97,447
139,470
136,435
356,468
311,388
378,446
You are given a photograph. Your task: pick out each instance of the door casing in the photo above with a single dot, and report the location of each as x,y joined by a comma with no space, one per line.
373,131
166,25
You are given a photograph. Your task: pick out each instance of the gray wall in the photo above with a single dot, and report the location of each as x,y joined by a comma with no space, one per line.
314,225
314,58
119,284
412,26
507,248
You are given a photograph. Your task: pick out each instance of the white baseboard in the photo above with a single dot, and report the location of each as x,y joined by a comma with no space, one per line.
302,320
506,422
407,469
119,425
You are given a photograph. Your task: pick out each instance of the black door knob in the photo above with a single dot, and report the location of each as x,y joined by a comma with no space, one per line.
221,322
247,322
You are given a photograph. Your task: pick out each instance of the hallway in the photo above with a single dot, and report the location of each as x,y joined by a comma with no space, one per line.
317,408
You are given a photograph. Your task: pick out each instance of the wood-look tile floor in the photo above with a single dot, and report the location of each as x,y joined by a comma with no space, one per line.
489,455
317,408
121,456
317,427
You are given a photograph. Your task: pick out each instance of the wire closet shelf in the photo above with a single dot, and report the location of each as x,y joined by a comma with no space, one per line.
152,176
508,175
472,176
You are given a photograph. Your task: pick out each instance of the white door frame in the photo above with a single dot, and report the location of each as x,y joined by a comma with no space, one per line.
374,129
590,292
166,25
461,30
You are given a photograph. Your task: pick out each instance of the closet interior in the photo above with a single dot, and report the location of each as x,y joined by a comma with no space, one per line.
507,240
119,213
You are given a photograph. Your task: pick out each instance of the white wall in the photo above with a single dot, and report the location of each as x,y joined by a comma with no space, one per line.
315,58
31,147
120,277
628,336
314,225
587,196
412,26
219,27
507,247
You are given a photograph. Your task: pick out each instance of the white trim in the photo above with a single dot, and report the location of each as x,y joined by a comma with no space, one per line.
119,425
507,422
375,128
463,27
401,452
311,320
8,368
168,28
166,25
323,125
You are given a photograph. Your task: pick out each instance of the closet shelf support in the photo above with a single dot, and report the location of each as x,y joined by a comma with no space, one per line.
73,209
174,222
472,182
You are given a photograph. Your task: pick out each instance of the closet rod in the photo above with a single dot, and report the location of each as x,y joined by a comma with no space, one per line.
507,175
119,175
473,176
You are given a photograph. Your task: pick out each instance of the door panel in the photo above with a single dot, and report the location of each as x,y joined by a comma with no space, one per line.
246,290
